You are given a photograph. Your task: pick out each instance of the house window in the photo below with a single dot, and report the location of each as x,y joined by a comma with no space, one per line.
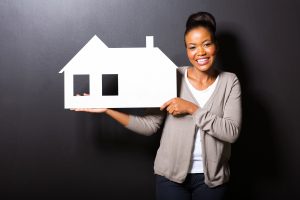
81,84
110,85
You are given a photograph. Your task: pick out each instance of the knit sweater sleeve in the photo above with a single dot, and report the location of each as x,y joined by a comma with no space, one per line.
147,124
227,127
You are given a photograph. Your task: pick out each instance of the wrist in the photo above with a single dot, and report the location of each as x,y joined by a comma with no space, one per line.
107,111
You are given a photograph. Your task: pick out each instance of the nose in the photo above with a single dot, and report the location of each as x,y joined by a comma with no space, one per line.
201,51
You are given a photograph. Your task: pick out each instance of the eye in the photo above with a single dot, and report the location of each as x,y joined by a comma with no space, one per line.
191,48
207,44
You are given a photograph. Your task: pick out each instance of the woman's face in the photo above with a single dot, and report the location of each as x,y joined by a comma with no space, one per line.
201,49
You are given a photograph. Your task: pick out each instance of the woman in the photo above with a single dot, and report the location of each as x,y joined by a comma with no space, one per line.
199,125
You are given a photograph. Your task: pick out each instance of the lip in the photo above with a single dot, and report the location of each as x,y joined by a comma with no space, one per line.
203,61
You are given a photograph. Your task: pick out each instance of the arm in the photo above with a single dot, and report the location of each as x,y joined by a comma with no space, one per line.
225,128
120,117
147,124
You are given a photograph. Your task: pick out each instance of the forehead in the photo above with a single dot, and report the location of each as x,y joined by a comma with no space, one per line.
198,34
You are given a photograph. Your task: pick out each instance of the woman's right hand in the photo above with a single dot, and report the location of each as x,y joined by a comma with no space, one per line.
89,110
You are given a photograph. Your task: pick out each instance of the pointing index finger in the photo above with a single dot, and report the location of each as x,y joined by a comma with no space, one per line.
166,104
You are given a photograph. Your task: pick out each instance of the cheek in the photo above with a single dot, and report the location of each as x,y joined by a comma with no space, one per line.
190,54
212,51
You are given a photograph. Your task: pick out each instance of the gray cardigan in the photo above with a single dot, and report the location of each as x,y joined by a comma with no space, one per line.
219,121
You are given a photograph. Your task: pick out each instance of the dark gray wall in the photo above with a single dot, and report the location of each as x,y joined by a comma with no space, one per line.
46,151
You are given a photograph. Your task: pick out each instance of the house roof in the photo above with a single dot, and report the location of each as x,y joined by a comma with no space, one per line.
93,45
96,53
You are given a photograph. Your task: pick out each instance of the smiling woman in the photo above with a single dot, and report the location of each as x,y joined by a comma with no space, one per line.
200,42
201,51
198,126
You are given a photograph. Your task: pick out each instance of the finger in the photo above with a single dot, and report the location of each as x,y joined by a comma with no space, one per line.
170,109
81,109
166,104
175,113
85,94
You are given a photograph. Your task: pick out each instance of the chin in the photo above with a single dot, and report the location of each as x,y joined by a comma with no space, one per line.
203,68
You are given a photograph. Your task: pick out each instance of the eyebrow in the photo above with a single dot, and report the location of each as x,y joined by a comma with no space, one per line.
201,43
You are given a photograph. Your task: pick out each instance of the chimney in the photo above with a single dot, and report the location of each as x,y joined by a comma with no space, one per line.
149,42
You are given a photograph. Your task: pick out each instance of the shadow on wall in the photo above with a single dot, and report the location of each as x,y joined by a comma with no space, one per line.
108,152
254,161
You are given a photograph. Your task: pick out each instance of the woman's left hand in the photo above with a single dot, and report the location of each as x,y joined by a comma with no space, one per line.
177,106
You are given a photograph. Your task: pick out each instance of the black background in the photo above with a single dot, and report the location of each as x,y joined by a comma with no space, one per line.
49,152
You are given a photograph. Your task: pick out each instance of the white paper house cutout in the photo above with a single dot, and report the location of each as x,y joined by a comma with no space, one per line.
146,76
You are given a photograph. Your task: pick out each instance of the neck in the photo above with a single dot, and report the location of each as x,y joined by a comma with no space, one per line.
202,78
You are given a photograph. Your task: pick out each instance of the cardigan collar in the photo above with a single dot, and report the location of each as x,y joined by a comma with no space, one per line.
182,83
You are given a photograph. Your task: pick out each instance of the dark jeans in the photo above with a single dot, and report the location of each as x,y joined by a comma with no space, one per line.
193,188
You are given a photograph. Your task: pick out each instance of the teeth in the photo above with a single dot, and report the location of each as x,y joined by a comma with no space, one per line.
202,60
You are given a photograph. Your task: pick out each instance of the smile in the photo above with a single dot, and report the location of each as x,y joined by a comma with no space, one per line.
203,61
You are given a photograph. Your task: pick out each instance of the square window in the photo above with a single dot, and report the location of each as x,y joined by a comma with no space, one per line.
81,84
110,85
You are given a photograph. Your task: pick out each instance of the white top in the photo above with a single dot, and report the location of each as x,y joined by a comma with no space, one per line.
202,96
